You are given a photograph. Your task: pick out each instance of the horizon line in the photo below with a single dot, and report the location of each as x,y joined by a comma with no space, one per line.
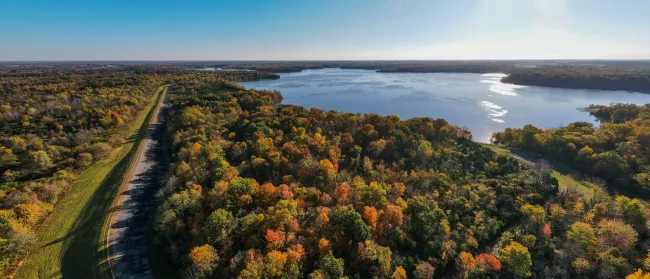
328,60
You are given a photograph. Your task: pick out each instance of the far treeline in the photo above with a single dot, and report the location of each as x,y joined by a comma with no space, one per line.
262,190
599,75
585,78
627,75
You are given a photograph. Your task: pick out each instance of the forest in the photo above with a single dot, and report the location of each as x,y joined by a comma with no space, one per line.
258,189
54,124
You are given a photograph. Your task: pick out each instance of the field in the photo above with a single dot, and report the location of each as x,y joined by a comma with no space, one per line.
70,238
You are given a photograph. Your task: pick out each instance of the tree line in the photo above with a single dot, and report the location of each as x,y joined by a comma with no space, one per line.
583,78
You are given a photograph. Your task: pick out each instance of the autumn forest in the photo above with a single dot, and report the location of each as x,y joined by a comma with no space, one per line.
257,188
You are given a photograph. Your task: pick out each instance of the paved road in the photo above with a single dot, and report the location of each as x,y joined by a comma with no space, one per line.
127,232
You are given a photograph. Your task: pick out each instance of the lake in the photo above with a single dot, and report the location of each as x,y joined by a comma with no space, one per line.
478,102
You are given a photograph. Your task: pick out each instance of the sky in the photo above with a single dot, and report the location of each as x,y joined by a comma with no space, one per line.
32,30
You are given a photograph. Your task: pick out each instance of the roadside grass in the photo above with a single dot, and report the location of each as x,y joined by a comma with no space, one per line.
69,238
567,182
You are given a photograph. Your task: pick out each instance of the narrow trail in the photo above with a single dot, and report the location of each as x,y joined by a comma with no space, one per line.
126,230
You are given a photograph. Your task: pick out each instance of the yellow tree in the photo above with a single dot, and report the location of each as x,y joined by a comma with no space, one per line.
399,273
466,262
204,259
638,275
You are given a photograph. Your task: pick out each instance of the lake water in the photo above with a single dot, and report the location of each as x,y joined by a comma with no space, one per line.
478,102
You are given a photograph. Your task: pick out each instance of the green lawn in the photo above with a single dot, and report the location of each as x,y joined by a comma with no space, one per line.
70,238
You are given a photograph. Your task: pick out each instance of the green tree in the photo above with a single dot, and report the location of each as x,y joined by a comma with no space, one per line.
41,160
535,213
350,224
332,266
583,235
380,255
218,226
516,259
633,211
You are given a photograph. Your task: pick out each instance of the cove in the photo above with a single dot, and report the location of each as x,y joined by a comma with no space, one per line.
477,102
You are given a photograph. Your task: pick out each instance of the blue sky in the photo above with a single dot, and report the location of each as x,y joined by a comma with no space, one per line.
324,29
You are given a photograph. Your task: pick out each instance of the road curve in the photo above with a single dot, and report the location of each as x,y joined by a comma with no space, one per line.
126,231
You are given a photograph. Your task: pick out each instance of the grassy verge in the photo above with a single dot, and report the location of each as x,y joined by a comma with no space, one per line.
567,182
70,237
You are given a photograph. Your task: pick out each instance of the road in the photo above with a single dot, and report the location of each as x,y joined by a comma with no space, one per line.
126,233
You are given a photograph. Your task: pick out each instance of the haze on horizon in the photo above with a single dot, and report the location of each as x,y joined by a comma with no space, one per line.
324,30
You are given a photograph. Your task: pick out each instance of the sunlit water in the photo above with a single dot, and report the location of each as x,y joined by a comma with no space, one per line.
478,102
